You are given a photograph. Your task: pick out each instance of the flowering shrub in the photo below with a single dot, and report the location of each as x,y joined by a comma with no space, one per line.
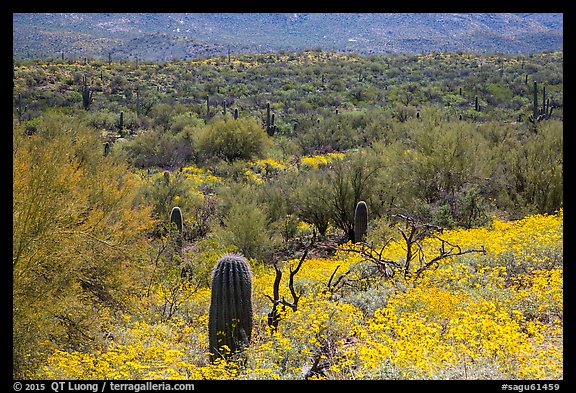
475,316
317,160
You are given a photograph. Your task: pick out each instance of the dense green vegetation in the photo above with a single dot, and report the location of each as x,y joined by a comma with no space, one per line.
103,151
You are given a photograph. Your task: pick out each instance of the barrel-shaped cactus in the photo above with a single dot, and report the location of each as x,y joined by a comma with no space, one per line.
230,316
360,221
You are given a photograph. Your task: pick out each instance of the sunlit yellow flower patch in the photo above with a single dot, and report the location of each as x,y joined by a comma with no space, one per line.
496,315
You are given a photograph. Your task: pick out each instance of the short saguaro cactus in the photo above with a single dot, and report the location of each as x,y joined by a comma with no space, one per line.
230,317
177,220
360,221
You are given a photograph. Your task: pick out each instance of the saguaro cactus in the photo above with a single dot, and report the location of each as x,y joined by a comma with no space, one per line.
121,121
87,93
19,109
535,104
176,218
535,117
230,316
543,111
270,126
360,221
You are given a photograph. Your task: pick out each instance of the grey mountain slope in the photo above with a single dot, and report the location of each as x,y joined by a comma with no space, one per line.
162,36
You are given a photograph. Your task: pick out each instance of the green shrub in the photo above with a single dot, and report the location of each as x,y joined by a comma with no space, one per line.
313,202
245,223
231,140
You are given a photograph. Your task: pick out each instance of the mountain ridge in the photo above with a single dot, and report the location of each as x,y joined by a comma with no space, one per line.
186,35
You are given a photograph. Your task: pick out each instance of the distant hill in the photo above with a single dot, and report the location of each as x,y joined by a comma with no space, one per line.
163,36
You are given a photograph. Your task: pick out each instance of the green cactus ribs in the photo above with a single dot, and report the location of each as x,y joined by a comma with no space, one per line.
176,218
360,221
230,316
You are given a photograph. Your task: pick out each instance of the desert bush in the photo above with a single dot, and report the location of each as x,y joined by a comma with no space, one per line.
231,140
155,148
244,223
351,180
312,200
537,170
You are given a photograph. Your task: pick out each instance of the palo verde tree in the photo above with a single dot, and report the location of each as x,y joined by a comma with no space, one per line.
75,250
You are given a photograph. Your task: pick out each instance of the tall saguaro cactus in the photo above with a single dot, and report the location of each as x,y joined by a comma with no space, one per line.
230,316
87,94
270,126
121,121
543,111
19,109
360,221
535,103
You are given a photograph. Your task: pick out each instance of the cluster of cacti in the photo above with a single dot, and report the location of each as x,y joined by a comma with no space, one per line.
87,94
270,126
360,221
543,113
230,315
